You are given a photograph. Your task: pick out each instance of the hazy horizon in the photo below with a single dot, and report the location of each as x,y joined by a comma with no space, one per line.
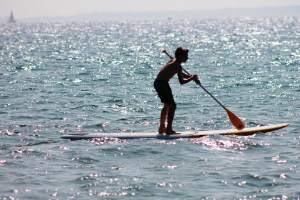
52,8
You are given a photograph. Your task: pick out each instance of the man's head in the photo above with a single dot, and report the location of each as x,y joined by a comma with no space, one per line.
181,54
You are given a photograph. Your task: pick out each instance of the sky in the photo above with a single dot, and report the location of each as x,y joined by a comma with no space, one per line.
39,8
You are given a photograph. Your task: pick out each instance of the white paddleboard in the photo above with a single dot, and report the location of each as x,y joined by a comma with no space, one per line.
244,132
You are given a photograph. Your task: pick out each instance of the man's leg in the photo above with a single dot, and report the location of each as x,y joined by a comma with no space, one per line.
163,116
171,114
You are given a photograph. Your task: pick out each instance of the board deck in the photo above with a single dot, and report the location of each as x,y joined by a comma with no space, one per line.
244,132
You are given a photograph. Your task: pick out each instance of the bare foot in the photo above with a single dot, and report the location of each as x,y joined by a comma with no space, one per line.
172,133
162,130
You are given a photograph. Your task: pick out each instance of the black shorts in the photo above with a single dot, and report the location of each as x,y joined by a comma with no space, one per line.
164,92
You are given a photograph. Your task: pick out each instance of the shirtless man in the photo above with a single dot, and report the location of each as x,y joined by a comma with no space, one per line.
162,87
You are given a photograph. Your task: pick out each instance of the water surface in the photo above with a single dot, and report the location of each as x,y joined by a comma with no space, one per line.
60,78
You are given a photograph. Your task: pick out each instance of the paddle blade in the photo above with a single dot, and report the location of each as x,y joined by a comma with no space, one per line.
236,122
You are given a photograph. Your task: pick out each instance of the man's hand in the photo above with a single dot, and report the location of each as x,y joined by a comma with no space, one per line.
196,79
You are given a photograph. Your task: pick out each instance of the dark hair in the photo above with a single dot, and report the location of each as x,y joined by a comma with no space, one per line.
180,51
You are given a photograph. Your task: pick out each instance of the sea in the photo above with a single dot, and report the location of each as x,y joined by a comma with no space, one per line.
97,77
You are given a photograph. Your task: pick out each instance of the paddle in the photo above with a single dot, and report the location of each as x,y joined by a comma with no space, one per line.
235,120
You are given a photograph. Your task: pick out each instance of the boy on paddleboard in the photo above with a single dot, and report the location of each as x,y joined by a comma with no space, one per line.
162,87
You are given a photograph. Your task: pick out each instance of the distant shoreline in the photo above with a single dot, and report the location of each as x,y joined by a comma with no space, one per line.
217,13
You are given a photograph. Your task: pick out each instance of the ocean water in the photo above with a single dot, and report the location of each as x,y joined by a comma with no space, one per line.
61,78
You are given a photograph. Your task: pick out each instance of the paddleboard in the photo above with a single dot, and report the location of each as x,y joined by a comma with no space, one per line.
133,135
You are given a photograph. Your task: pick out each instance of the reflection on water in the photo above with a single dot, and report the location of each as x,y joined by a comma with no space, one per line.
64,78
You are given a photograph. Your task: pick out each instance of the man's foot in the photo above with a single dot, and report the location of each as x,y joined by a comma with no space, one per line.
172,133
162,130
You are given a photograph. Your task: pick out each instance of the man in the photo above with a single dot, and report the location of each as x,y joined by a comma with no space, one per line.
162,87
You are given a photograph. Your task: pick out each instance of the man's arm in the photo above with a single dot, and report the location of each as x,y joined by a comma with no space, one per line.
186,75
184,78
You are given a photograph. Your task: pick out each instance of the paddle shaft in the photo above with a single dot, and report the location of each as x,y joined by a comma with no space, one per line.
164,51
207,92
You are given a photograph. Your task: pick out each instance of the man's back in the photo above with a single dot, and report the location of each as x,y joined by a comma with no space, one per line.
168,71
